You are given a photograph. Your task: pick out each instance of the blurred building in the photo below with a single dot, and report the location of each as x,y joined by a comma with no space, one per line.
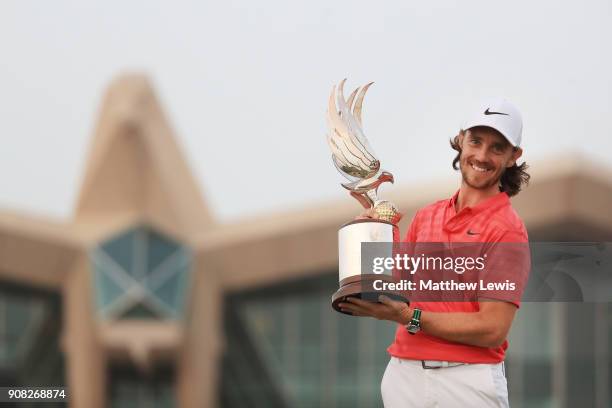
143,300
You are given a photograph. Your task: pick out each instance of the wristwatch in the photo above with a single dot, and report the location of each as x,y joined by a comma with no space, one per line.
415,323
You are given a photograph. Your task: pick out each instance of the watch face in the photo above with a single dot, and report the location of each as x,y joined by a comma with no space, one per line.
413,328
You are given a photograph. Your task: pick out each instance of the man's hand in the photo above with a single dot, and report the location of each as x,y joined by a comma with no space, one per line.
387,309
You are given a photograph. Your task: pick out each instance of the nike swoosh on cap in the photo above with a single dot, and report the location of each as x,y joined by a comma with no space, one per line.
487,112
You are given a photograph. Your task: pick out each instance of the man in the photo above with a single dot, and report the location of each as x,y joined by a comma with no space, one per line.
450,354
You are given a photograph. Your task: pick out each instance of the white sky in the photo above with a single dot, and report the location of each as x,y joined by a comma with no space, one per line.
245,86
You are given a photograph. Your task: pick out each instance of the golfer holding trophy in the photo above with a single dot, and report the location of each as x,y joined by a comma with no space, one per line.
445,354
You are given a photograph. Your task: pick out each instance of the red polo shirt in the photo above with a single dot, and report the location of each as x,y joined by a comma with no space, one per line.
494,220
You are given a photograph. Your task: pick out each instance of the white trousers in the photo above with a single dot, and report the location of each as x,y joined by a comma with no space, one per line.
407,384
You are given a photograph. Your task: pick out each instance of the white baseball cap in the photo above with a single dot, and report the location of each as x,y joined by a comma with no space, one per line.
500,115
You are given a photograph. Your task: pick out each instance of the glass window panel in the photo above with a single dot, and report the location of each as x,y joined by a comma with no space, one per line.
159,265
529,358
172,291
139,311
107,289
19,312
30,326
159,249
580,355
122,249
537,365
609,324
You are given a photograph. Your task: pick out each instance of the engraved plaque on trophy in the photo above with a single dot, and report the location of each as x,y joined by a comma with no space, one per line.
355,160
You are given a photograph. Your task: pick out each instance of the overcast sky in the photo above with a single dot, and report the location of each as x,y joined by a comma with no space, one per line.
245,85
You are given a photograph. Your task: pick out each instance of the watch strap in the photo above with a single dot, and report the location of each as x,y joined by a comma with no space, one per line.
415,322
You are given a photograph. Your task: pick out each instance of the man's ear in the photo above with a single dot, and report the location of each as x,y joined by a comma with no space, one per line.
516,154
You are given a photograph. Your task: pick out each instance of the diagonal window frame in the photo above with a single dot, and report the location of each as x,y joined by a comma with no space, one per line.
138,286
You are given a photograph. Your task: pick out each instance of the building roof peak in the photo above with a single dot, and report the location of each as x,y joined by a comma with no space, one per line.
135,164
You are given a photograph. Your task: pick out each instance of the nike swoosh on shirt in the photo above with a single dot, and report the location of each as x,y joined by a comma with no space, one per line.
487,112
470,232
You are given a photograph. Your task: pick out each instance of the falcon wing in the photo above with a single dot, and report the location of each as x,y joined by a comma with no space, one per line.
351,152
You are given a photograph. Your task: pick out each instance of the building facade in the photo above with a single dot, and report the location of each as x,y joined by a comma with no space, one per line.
143,299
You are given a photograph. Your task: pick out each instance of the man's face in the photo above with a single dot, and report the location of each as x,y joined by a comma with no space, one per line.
485,155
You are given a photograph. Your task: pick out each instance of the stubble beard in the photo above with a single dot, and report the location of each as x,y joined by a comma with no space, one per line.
482,185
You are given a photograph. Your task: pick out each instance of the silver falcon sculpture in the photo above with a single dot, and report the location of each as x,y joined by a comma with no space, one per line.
352,154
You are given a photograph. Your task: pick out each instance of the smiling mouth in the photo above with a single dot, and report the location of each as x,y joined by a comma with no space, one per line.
479,169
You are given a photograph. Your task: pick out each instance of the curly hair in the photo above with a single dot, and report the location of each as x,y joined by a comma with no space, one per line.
512,179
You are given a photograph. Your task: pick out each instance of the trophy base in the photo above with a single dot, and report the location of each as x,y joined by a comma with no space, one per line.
362,287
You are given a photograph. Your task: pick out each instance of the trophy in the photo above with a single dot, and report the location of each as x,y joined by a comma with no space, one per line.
355,160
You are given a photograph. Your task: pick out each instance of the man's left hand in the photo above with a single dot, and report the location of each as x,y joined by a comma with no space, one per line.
387,309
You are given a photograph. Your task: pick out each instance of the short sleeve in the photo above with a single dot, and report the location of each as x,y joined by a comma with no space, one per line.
507,266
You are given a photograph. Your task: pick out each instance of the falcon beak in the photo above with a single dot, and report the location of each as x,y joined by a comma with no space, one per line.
386,176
